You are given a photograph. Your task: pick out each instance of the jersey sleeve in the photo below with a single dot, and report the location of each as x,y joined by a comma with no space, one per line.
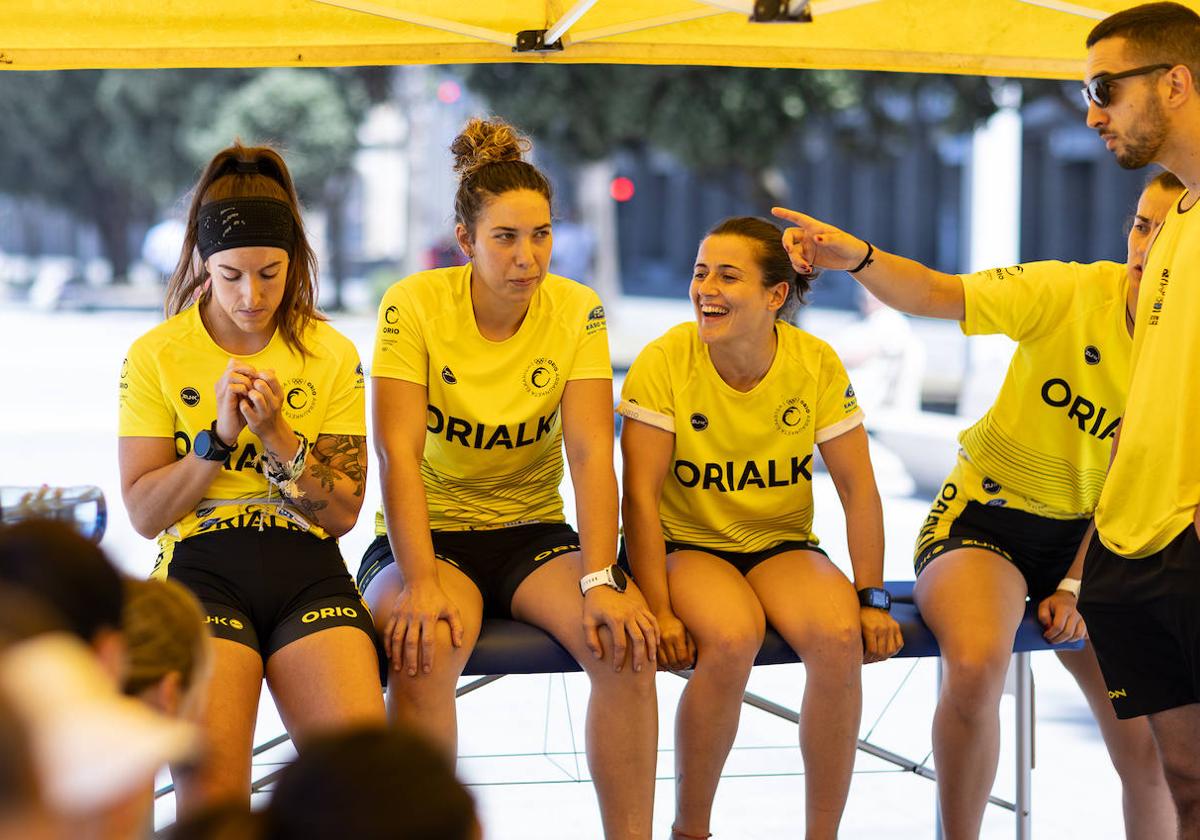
347,414
647,395
143,410
837,407
1021,301
400,348
592,360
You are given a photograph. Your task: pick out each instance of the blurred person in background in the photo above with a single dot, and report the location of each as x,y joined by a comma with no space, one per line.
1012,517
242,448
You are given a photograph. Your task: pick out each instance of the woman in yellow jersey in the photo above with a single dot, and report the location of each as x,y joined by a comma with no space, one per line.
481,374
1009,520
243,448
718,517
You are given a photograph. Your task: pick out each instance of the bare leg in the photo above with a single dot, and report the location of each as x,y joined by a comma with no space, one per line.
228,713
426,701
326,681
814,607
973,601
723,615
1145,797
622,715
1177,732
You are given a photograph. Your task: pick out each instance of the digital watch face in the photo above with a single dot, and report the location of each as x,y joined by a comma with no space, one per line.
877,598
619,578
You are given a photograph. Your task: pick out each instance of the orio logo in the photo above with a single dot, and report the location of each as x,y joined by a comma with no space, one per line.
699,422
190,397
990,487
300,396
793,416
541,376
448,376
1091,354
391,315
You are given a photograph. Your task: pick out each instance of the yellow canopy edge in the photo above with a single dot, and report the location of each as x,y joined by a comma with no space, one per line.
1031,38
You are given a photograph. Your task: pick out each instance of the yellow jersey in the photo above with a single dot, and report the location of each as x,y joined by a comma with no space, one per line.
493,444
1154,485
1044,444
741,471
167,389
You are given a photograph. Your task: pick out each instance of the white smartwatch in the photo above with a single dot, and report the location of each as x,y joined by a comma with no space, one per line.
613,576
1069,584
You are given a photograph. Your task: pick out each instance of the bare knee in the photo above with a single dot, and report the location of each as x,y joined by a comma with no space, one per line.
833,651
974,678
731,650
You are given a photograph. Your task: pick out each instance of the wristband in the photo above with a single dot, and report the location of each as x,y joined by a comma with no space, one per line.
1069,584
865,260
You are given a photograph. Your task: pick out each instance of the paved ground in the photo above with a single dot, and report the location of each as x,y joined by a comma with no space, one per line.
520,737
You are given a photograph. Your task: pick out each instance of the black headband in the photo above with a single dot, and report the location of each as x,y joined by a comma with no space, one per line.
245,223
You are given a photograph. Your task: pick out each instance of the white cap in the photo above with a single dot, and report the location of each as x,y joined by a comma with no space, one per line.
91,744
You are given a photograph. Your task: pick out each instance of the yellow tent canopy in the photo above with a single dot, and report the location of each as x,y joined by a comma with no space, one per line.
1038,38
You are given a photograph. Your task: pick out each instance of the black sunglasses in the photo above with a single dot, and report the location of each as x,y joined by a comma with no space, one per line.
1098,91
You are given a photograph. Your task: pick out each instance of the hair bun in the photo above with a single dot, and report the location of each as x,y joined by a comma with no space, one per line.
486,141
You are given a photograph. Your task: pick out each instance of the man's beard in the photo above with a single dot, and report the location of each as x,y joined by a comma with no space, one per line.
1146,141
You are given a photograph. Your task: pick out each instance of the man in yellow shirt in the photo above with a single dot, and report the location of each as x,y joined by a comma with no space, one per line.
1141,580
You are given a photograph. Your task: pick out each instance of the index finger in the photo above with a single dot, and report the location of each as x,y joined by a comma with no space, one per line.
792,216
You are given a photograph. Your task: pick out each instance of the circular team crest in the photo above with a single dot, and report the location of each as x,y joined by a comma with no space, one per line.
1091,354
793,417
299,397
190,397
540,377
699,422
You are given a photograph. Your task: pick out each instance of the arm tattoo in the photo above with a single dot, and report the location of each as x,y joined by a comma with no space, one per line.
335,456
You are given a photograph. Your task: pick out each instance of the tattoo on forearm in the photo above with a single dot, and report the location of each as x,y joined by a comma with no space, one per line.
337,456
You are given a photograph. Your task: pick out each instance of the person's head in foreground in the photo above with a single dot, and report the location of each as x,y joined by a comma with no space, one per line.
168,645
371,783
95,751
72,575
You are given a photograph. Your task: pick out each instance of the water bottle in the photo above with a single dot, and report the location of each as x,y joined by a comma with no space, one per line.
82,507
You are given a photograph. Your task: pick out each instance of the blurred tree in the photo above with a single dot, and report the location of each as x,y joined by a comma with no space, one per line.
720,118
117,147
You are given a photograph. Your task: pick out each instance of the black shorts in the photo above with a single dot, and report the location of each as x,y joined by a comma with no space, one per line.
496,560
1041,548
266,589
1143,621
744,561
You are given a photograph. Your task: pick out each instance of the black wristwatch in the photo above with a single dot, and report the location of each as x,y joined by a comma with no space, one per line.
208,445
875,597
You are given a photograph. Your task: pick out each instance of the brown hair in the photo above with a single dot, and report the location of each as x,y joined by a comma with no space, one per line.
1159,33
164,631
773,260
1166,179
488,157
220,180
